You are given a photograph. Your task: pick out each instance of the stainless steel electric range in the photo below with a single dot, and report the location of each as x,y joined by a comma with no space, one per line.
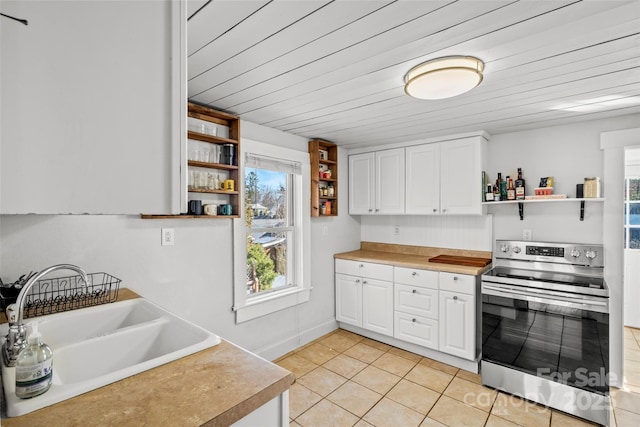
545,326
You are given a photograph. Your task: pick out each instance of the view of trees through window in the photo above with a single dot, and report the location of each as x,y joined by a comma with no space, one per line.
632,213
269,230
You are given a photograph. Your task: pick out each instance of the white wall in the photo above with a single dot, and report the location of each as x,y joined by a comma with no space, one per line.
192,278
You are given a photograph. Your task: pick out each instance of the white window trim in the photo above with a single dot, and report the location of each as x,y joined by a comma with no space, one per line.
261,305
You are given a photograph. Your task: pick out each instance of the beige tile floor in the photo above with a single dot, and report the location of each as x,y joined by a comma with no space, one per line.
344,379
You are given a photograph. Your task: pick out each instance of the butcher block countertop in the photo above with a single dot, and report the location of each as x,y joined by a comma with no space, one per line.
469,262
214,387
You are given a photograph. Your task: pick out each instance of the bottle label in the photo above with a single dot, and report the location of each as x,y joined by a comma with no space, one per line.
31,379
519,192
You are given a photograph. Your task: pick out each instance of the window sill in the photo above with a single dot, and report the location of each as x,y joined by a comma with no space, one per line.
261,306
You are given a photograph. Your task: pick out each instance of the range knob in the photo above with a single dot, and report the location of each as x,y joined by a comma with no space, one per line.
504,248
591,254
516,249
575,253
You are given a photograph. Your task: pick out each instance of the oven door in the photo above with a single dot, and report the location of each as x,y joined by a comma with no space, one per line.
559,336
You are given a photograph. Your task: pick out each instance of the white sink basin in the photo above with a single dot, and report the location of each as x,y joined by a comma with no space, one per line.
96,346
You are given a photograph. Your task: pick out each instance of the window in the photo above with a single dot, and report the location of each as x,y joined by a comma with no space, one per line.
632,213
270,250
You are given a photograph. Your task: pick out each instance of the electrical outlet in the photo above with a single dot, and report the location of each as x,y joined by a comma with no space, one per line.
168,236
396,230
527,235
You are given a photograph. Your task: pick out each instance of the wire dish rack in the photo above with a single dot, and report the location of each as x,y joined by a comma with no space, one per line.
58,294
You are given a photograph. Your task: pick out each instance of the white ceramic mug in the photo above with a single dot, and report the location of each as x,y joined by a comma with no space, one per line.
211,209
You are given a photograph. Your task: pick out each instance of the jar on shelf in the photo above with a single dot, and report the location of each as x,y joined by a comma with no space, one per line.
323,209
331,190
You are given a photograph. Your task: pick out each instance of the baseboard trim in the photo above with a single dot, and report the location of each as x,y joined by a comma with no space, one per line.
280,348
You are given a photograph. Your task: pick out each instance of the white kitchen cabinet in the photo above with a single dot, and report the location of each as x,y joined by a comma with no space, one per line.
461,176
364,295
377,306
376,183
362,184
349,299
422,180
457,324
92,104
445,177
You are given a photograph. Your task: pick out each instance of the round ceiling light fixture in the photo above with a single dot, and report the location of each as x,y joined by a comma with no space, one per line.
444,77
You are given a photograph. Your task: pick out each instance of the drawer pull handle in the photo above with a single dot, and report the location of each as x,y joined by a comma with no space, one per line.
364,282
455,278
414,291
414,274
413,320
455,297
361,265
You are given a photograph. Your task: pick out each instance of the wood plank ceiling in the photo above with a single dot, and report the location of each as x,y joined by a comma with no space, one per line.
335,69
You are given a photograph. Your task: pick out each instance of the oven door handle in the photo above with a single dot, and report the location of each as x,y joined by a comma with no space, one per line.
545,298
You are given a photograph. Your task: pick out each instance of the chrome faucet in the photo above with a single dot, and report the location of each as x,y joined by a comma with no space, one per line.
16,338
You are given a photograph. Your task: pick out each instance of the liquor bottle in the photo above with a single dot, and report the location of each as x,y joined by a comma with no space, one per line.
488,197
511,190
496,193
502,187
520,186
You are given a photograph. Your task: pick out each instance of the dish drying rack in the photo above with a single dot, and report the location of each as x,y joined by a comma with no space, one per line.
58,294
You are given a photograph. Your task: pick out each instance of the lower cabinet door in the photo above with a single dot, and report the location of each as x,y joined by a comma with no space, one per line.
377,306
416,329
457,321
349,299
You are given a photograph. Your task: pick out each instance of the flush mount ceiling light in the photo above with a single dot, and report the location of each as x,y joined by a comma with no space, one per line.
443,77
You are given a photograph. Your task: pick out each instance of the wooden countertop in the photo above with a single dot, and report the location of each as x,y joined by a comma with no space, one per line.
414,257
214,387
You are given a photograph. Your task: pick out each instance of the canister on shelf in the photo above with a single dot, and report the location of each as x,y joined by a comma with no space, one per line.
592,187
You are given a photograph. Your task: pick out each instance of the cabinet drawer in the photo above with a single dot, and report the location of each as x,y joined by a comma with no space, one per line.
458,283
416,277
365,269
416,329
416,300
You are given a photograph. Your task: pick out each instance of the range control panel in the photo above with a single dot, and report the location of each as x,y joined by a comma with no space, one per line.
545,251
563,253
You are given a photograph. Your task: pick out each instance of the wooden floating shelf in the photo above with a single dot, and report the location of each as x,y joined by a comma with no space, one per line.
194,190
210,138
212,165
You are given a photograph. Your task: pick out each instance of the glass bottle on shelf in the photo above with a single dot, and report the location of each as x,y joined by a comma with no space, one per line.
511,190
520,186
330,190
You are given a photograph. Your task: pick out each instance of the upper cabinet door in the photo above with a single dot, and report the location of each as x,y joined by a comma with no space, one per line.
422,179
361,184
390,181
461,177
91,107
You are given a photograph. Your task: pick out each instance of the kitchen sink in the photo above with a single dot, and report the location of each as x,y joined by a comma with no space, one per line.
96,346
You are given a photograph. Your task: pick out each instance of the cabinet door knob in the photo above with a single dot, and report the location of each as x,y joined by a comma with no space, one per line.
414,320
364,282
435,210
369,210
444,210
414,274
361,265
377,210
455,278
455,297
414,291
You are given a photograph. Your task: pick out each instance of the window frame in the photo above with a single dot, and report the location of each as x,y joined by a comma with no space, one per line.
627,210
251,307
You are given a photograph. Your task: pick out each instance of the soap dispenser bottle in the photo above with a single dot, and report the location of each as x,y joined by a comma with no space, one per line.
34,367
